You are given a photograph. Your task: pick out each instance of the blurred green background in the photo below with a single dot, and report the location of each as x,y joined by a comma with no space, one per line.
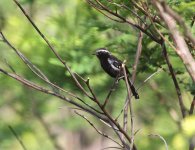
75,29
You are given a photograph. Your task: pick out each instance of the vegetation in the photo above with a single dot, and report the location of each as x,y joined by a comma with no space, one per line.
48,45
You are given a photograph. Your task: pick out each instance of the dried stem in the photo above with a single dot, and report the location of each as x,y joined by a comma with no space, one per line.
17,137
98,131
180,20
138,54
110,91
180,44
53,50
138,88
44,90
130,105
99,6
157,135
181,104
40,74
192,106
111,120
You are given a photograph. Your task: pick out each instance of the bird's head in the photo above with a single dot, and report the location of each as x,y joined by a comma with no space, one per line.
102,53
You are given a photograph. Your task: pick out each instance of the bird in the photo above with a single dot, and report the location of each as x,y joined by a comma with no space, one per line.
112,66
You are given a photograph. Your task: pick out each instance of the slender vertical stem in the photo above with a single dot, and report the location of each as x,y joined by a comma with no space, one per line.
130,106
181,104
192,106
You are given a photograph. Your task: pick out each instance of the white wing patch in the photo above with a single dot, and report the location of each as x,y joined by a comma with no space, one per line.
112,62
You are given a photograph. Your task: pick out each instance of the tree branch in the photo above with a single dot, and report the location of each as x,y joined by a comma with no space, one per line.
98,131
181,46
178,91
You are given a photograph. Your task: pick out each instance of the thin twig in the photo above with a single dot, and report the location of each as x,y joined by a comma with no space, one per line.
130,106
125,115
11,68
148,78
98,131
124,20
112,121
127,8
52,49
193,20
106,117
111,148
181,104
137,56
110,91
182,49
192,106
44,90
180,20
17,137
40,74
157,135
138,88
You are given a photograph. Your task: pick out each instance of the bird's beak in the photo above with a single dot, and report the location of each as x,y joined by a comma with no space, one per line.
93,53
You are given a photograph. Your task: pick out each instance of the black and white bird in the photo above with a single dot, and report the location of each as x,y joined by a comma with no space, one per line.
112,66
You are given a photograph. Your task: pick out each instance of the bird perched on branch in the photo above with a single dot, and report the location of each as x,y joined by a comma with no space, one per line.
112,66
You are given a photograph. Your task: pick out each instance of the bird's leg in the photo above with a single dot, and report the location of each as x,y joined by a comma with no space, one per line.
115,84
111,90
121,77
118,77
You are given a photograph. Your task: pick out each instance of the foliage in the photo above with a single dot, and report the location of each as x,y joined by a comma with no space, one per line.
75,29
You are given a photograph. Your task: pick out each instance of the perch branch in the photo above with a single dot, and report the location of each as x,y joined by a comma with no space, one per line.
130,106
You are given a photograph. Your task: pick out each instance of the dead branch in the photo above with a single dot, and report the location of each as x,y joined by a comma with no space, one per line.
53,50
180,44
192,106
98,131
130,106
181,104
157,135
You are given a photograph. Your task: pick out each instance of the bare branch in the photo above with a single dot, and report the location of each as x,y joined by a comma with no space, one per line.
98,131
123,20
157,135
148,78
111,120
44,90
17,137
180,20
137,56
110,91
139,87
130,106
40,74
192,106
53,50
182,48
181,104
111,148
193,20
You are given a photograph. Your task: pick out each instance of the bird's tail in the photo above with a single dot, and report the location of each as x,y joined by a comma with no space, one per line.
133,90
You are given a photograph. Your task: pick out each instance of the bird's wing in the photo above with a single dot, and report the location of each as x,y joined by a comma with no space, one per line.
115,63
